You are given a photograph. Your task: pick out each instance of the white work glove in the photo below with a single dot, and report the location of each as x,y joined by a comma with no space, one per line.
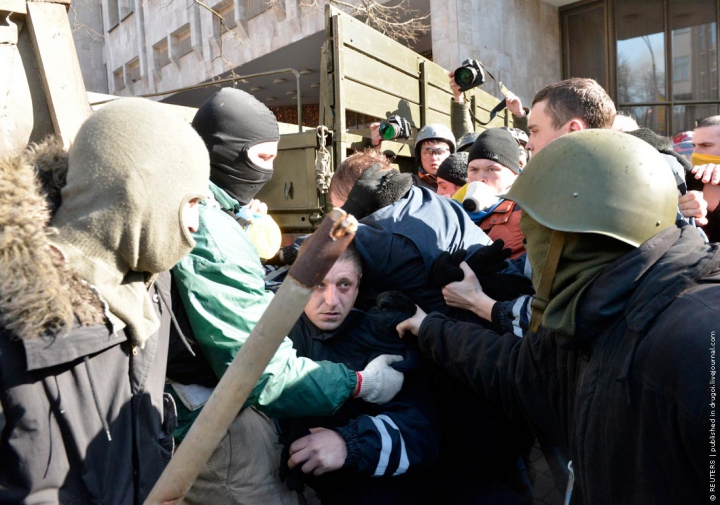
379,382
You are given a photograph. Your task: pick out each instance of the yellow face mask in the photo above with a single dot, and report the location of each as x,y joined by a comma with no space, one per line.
704,159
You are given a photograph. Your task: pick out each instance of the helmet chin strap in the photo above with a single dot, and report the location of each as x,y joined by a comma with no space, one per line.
542,297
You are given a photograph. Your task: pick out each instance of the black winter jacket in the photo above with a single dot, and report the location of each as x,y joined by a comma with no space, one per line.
628,397
86,420
383,441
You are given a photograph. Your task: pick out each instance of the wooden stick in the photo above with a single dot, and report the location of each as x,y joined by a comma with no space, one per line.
317,257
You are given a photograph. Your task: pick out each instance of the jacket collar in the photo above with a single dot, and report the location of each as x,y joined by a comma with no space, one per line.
641,284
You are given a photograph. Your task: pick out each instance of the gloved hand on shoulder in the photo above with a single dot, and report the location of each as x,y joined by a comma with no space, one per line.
395,301
486,260
376,188
379,382
490,259
446,269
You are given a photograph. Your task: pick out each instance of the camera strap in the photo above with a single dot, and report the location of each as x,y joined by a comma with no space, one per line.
500,106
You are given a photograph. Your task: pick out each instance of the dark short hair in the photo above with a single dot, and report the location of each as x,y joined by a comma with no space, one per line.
352,168
350,254
577,98
708,121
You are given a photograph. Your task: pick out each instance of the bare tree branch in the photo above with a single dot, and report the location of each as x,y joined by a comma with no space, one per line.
398,21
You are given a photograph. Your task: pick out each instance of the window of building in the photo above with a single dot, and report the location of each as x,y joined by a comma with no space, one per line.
225,9
118,10
681,68
255,7
132,70
161,53
119,79
113,11
182,42
582,29
660,55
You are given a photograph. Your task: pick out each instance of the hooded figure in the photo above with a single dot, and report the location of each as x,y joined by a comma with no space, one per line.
82,363
231,122
241,135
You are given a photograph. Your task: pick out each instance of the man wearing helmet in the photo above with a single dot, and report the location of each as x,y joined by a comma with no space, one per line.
433,144
615,369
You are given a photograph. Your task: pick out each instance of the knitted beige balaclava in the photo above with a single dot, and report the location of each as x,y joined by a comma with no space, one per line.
132,168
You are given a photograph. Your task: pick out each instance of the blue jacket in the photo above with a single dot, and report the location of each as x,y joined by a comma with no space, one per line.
399,243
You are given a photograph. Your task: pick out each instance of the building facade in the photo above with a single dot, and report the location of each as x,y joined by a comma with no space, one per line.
658,59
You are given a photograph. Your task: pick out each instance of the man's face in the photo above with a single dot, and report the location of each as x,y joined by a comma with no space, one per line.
446,188
432,154
492,173
334,297
706,140
541,128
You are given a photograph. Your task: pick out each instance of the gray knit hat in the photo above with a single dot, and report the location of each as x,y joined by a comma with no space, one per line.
454,169
497,144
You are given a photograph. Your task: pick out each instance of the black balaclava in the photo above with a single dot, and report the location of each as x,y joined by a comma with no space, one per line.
231,122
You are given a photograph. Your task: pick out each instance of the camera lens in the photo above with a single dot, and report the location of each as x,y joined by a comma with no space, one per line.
387,131
464,76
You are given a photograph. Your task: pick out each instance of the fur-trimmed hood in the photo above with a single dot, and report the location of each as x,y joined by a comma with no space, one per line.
39,295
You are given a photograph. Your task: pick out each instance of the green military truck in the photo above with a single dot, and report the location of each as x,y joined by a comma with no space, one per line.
365,72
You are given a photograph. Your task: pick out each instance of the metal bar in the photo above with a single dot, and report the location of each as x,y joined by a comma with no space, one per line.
317,257
299,100
423,94
226,81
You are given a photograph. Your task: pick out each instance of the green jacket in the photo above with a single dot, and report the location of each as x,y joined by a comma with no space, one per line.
222,288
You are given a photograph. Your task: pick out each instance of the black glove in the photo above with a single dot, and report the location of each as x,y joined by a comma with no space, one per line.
376,188
489,259
396,301
446,269
505,287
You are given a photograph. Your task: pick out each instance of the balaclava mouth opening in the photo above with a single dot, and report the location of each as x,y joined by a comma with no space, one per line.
230,122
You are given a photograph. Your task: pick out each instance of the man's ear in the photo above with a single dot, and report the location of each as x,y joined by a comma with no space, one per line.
577,125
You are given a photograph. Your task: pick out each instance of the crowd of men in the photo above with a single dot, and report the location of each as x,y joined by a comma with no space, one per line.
556,283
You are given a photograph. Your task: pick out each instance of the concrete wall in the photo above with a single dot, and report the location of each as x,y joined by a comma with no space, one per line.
86,22
517,40
156,20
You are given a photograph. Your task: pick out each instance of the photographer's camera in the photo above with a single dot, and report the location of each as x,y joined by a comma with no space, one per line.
469,75
395,127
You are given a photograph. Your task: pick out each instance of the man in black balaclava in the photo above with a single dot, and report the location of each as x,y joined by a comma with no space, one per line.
223,292
242,136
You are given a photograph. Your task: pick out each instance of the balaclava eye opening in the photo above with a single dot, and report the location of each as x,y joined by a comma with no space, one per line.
230,122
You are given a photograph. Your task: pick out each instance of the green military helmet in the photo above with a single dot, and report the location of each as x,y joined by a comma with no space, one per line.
599,181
